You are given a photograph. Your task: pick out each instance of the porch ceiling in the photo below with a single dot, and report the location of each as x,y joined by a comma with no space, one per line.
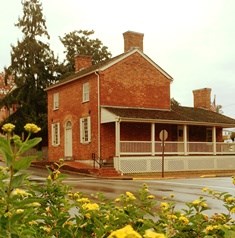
177,115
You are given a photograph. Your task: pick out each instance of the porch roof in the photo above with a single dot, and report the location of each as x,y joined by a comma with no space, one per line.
177,115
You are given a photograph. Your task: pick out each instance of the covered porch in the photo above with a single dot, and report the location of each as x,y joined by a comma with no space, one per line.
190,145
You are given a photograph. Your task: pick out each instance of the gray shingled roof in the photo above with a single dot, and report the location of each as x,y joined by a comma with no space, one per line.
177,114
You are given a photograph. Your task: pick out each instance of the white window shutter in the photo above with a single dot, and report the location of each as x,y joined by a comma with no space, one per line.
89,128
58,138
81,131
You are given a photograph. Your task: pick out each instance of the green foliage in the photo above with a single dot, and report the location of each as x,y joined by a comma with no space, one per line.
28,210
33,68
80,42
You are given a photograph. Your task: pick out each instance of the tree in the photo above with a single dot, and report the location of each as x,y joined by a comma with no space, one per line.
232,136
33,67
174,102
219,109
79,42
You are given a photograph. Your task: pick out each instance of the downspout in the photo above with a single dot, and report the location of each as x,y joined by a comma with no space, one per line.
98,113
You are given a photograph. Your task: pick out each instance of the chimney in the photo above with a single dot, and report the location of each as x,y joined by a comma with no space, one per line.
133,40
202,98
82,62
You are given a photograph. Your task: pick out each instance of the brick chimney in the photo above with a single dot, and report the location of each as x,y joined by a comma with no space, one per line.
82,62
202,98
133,40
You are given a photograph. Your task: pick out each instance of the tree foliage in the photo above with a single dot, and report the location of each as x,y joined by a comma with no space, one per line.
80,42
33,67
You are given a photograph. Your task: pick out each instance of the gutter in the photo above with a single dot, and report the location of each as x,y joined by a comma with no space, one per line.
98,113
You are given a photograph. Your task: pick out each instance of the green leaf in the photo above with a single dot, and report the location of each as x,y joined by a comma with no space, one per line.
6,150
23,163
18,180
229,234
29,144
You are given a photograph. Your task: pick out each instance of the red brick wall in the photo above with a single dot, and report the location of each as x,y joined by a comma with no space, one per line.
134,82
107,140
71,108
202,98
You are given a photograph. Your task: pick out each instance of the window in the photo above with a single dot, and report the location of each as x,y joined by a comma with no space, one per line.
208,134
55,134
85,92
85,130
55,101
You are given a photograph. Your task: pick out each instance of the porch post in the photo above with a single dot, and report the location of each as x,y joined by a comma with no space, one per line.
214,139
117,138
185,139
153,139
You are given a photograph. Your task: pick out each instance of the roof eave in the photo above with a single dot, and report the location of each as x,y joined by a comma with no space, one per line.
162,121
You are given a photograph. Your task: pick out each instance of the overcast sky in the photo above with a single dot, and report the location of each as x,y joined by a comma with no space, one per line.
192,40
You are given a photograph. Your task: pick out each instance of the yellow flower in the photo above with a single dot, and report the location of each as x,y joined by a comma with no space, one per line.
8,127
30,127
34,204
20,192
233,180
33,222
203,204
90,206
232,210
151,197
46,228
184,220
125,232
196,202
205,189
19,211
164,205
211,228
230,199
130,196
151,234
83,200
117,200
88,215
68,223
171,217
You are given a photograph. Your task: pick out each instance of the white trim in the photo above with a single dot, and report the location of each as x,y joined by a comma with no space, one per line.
153,138
117,138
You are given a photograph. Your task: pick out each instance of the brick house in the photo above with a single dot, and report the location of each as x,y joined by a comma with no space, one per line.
5,111
117,111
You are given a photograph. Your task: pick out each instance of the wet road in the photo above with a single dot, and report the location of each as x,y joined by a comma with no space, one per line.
184,190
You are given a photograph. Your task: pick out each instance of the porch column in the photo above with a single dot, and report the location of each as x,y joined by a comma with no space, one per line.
214,139
185,131
117,138
153,139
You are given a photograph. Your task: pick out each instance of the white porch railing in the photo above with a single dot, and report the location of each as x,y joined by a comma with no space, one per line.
176,148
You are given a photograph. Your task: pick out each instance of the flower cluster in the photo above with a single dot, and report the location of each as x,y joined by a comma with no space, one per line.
32,128
8,127
55,210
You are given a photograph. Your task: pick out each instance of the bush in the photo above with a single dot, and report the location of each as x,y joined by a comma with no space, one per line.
53,210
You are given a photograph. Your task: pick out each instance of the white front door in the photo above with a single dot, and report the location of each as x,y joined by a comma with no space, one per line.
68,151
